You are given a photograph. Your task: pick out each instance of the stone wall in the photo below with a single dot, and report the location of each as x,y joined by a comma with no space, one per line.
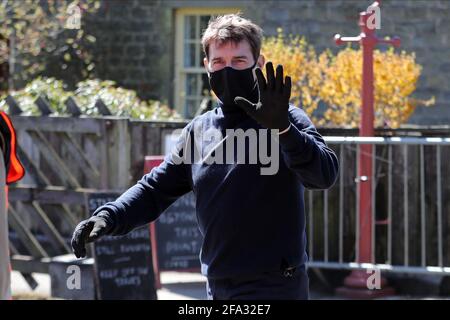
135,38
134,45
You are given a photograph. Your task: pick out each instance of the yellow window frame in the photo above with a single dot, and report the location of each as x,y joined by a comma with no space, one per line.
180,70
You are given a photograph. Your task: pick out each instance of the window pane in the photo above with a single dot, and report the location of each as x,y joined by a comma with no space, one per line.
189,27
203,24
191,85
189,54
201,55
198,62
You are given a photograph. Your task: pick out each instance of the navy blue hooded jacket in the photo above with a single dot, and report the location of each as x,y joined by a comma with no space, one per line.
251,223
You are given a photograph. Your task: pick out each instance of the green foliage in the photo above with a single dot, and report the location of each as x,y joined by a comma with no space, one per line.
46,35
120,101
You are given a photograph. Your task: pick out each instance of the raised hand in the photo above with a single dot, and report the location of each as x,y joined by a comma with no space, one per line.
272,109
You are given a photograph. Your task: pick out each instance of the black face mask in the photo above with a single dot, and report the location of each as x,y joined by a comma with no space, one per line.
229,83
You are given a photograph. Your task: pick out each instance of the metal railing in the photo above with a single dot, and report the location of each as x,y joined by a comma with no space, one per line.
410,186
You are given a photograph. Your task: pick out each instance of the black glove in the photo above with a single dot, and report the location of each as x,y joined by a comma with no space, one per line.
272,109
88,231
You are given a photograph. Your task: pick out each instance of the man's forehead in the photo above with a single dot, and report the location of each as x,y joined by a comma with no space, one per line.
218,49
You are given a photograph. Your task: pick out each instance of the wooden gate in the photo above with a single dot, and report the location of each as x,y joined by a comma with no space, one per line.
66,158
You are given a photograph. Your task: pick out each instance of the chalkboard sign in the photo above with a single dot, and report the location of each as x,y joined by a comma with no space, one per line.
123,265
177,235
176,238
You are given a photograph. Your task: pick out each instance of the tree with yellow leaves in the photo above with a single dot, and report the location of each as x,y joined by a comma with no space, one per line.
335,80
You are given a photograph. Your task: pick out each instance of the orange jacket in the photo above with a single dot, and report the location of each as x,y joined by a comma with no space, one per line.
14,168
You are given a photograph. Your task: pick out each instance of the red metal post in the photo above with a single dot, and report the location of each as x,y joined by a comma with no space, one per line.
365,153
356,283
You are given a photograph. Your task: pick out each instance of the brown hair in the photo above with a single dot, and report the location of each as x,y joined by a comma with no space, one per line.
232,27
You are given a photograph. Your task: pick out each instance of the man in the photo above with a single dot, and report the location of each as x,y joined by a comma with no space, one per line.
11,170
253,224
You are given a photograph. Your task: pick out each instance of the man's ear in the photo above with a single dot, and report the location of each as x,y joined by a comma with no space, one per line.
206,64
261,61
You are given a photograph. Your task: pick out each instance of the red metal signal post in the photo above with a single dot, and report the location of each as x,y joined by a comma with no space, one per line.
355,285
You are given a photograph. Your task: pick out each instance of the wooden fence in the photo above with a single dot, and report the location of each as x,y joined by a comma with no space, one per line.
67,157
